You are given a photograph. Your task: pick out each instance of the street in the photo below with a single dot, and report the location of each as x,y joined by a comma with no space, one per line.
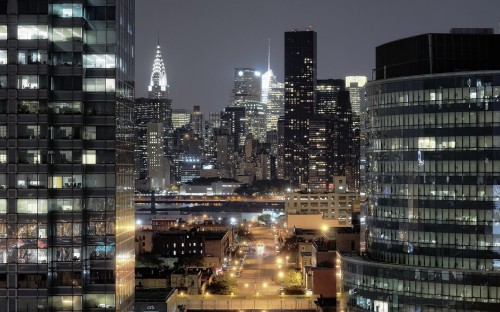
259,268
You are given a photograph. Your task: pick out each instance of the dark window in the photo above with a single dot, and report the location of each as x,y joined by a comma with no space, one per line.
32,6
67,83
3,7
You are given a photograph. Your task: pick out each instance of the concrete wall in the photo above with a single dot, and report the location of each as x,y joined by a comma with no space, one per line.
309,221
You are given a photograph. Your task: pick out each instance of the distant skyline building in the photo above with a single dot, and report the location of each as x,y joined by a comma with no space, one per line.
355,85
432,215
280,149
330,141
180,117
247,86
157,163
272,96
268,78
255,120
196,120
157,108
300,97
233,119
275,105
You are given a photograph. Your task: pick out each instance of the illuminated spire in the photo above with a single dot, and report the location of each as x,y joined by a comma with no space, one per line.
268,77
159,76
269,55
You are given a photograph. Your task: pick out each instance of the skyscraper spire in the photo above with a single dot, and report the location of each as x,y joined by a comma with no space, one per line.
158,88
269,55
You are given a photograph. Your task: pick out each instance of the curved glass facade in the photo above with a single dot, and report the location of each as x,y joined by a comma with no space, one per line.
433,205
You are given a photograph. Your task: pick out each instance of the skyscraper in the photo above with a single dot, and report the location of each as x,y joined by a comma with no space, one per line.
300,96
355,85
157,108
255,120
275,105
272,96
68,155
233,119
432,212
329,135
180,117
196,120
247,86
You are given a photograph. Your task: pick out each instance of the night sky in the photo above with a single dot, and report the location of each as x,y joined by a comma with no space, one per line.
202,41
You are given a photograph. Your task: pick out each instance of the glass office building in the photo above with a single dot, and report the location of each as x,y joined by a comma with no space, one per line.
66,155
433,169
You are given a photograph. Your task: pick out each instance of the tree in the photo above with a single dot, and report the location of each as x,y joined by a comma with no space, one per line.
223,285
264,218
190,261
242,233
294,290
293,278
293,283
148,260
290,245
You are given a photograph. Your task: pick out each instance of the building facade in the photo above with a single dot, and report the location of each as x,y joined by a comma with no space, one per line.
330,209
67,151
300,96
432,213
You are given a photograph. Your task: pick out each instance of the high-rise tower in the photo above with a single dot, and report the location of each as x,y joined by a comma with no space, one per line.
355,85
433,188
329,135
157,108
247,86
272,96
67,156
300,96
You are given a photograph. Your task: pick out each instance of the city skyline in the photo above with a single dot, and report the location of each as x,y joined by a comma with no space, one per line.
200,40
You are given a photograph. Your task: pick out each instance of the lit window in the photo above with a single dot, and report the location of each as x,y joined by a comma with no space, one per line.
89,158
3,205
426,143
66,34
32,32
32,57
90,133
66,181
32,205
3,57
3,32
99,85
27,82
67,9
99,61
3,156
3,81
3,132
